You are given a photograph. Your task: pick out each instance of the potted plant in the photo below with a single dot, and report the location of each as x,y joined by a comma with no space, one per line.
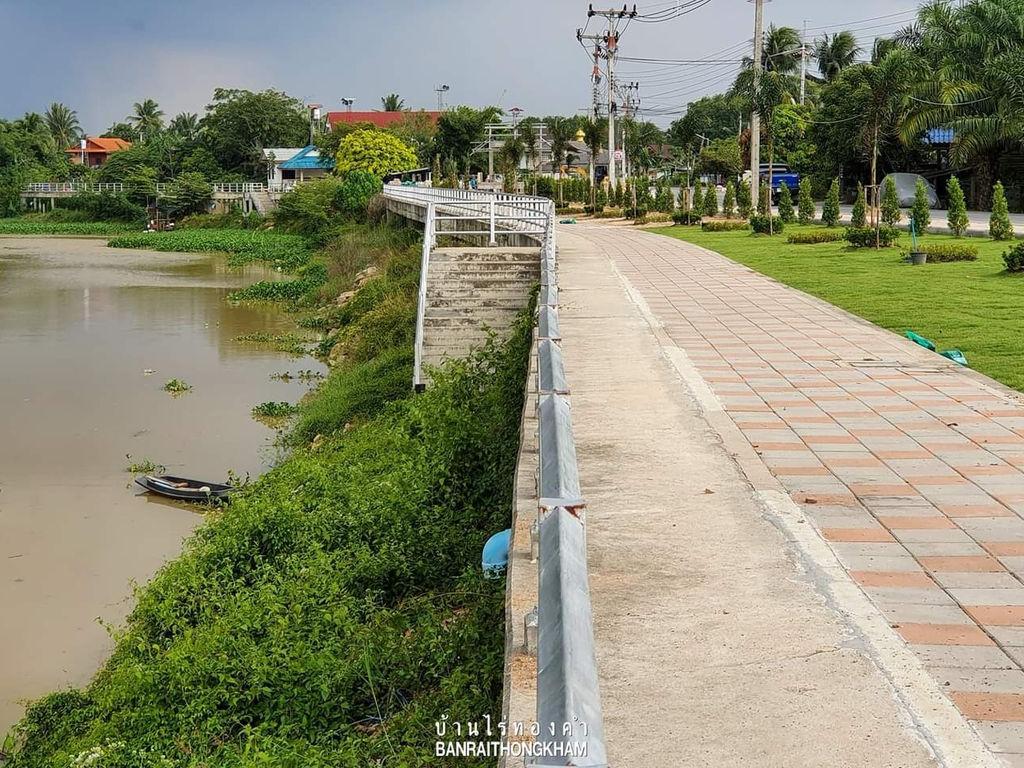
916,257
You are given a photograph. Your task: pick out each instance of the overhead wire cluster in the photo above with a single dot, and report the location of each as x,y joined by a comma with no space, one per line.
674,79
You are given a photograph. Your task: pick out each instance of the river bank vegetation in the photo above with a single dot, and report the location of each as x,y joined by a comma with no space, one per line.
335,609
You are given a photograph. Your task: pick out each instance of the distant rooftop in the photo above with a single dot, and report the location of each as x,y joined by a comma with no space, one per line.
377,118
307,159
100,145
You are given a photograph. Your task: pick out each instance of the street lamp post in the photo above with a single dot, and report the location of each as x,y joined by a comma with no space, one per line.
441,90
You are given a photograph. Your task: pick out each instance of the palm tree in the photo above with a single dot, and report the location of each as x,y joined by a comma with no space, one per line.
969,76
560,133
767,96
185,125
392,103
885,87
594,133
509,156
147,118
781,49
835,53
640,137
63,125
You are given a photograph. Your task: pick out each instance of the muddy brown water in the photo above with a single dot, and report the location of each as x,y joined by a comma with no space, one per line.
80,323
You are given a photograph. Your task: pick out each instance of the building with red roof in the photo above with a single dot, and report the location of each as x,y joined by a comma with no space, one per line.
93,152
376,118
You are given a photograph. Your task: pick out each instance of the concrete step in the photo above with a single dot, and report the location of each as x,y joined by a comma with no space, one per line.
503,314
502,258
438,324
512,294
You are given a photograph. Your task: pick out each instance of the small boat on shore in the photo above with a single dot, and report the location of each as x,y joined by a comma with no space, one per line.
184,489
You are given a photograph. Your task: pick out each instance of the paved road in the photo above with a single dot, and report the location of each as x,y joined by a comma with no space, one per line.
977,220
805,532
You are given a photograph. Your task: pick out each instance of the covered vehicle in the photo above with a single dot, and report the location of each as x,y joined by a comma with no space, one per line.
906,185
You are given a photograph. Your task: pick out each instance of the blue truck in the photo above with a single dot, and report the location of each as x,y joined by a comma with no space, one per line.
781,175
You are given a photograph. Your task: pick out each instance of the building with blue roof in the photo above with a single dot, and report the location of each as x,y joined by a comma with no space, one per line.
288,165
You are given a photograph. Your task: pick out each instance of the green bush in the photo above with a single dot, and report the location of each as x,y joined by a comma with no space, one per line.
352,196
864,237
957,215
1000,227
309,209
807,211
743,204
1014,258
891,213
763,225
723,226
34,226
858,218
711,201
764,199
815,237
830,210
104,206
729,202
920,215
941,252
786,212
286,252
686,217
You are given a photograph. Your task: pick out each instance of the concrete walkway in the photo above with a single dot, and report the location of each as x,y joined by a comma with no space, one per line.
805,532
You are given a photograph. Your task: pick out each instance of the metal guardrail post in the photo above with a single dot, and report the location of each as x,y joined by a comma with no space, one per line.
418,383
492,240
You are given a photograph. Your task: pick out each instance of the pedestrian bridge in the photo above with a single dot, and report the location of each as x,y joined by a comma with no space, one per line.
251,196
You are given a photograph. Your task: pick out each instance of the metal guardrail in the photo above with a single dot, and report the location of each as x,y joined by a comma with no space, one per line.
569,718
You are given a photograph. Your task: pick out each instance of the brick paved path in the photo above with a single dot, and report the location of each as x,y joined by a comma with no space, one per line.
911,468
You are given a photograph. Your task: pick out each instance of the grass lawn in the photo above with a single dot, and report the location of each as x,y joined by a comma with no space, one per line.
974,306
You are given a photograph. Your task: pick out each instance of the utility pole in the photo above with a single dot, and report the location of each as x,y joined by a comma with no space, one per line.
611,45
803,64
755,117
632,102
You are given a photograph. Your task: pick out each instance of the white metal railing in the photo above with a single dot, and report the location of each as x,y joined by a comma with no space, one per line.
428,243
569,712
74,187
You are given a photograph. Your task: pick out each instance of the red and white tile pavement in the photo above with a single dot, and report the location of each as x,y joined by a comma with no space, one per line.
909,466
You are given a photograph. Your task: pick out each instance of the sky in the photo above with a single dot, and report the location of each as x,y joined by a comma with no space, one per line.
100,57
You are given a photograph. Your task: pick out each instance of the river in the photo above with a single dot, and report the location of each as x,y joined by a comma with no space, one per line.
80,326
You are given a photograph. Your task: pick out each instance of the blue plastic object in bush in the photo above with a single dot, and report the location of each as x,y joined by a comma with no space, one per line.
495,555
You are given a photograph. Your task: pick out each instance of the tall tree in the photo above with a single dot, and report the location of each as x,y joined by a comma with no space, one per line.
835,53
767,96
185,125
885,87
392,103
594,134
970,77
781,49
642,140
63,125
147,117
560,132
239,124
